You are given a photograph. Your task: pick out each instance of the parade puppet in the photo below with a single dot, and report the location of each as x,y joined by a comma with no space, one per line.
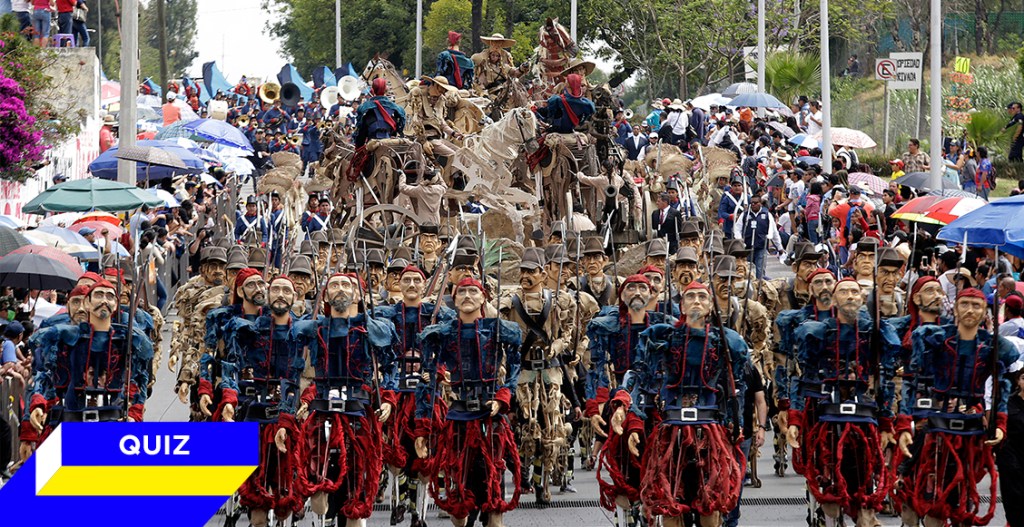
595,282
454,65
846,424
477,358
690,459
259,374
614,338
544,393
556,48
354,361
94,371
945,432
411,315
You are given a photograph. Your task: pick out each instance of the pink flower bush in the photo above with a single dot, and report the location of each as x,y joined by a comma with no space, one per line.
21,142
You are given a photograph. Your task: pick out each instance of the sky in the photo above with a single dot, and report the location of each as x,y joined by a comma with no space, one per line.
233,33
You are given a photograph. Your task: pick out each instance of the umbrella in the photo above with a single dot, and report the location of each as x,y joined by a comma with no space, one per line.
208,179
169,200
225,151
98,215
105,166
805,141
6,220
948,210
119,250
776,181
922,180
810,160
78,250
705,102
239,165
66,236
782,128
33,270
757,100
738,88
952,193
175,131
219,132
113,231
150,155
63,219
874,183
82,195
997,224
851,138
11,239
915,209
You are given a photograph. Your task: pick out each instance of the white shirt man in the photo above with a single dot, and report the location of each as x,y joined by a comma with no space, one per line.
814,121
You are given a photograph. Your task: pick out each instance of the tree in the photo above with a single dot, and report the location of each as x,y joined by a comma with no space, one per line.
789,75
181,34
444,16
986,129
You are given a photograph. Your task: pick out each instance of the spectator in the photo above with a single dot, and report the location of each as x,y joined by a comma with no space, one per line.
1013,309
852,67
896,167
889,200
914,160
65,15
172,113
954,163
756,227
11,339
814,119
1016,127
153,255
78,27
41,20
812,212
985,176
108,134
23,11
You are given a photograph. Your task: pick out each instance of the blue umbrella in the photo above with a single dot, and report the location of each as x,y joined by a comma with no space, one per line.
810,160
219,132
804,140
757,100
68,235
998,224
175,131
105,166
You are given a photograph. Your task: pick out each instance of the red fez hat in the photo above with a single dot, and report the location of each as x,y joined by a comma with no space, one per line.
847,279
816,272
650,269
469,281
91,276
575,84
453,38
79,290
634,279
379,86
240,279
413,269
970,292
100,284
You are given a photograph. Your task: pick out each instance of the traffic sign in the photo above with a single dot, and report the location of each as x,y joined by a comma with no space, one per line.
885,69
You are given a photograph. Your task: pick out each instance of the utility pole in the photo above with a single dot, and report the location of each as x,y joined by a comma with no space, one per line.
129,85
337,33
99,31
573,12
161,20
826,93
760,47
419,38
935,98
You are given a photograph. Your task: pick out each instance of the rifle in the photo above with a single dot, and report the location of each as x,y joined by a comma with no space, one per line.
733,399
668,281
447,263
367,295
994,359
876,333
565,369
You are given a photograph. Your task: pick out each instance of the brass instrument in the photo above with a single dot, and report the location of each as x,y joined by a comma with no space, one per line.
290,95
295,139
269,92
243,120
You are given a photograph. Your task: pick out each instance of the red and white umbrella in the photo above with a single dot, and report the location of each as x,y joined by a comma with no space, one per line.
874,183
917,208
851,138
949,209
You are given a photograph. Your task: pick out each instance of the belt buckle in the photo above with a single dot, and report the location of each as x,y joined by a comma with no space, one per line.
687,414
924,403
272,411
336,405
847,408
411,382
249,391
473,405
537,364
90,416
957,425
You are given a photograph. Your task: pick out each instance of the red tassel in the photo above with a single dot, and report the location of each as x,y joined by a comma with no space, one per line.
623,468
958,463
274,486
358,440
827,445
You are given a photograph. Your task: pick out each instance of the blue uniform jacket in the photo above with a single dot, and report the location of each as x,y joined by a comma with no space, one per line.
556,115
371,123
456,67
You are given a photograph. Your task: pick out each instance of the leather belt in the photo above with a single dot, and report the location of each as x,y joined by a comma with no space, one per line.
967,424
468,405
541,364
814,390
848,410
691,414
262,412
409,383
343,406
91,415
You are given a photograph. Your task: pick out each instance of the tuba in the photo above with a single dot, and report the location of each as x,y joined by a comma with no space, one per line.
269,92
350,87
243,120
295,139
329,97
290,95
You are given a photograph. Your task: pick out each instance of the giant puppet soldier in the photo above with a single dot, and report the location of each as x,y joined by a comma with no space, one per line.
454,65
794,293
477,357
89,372
744,315
924,308
379,117
821,282
258,376
952,448
410,316
431,249
353,356
843,357
691,464
545,318
596,283
614,338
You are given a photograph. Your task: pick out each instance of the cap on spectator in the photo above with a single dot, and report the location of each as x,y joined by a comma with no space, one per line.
14,329
85,231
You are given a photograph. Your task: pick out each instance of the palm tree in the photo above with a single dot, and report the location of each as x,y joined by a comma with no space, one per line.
790,75
986,129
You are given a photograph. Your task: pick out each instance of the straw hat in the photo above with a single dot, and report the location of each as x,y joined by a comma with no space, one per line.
498,40
578,62
439,80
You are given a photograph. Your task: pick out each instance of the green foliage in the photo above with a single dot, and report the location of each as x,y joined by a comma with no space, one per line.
28,64
180,17
1020,61
994,85
445,16
790,75
986,129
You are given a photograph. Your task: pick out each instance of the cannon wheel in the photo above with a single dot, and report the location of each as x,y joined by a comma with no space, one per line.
386,214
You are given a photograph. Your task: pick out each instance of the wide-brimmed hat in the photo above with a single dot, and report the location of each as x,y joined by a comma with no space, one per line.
213,254
301,264
725,266
686,254
737,248
657,247
677,105
556,254
498,40
533,258
593,245
439,80
576,63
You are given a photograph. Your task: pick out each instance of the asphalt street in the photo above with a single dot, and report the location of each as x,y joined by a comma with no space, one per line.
778,502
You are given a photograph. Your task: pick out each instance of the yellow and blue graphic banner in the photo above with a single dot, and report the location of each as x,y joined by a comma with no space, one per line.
119,473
